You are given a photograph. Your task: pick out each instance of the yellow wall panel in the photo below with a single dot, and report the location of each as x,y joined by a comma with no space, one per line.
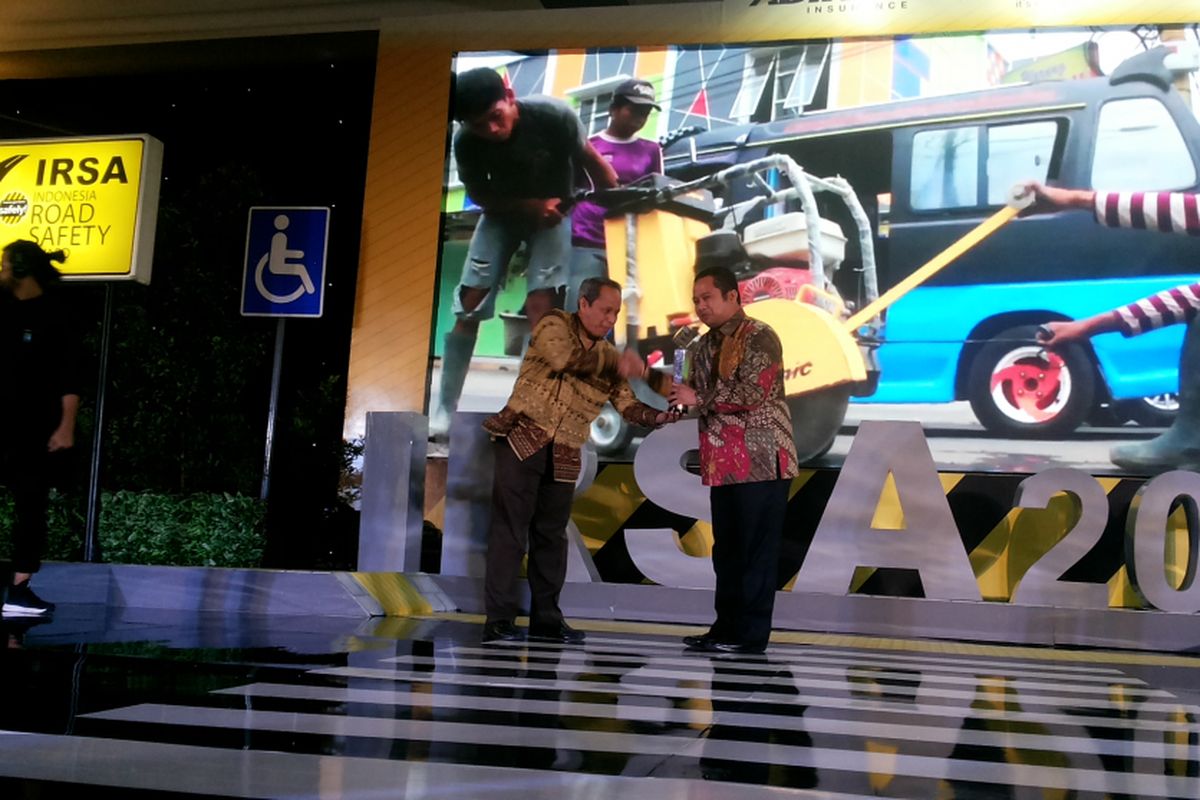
389,349
866,72
568,71
651,61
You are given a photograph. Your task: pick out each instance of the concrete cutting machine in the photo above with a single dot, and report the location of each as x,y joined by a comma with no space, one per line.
828,344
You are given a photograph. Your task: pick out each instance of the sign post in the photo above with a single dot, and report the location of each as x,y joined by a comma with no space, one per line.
284,276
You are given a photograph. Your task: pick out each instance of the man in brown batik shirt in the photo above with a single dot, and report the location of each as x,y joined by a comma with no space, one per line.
569,372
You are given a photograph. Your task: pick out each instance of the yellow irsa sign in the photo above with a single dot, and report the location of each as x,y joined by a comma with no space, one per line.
96,199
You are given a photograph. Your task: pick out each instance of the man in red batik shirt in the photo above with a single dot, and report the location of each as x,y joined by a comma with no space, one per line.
747,456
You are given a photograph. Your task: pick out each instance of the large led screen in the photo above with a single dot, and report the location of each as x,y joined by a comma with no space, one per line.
902,147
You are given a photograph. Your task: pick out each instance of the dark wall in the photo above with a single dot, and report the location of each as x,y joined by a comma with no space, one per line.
281,121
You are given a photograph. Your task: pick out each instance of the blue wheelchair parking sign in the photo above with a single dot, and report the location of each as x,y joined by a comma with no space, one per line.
285,262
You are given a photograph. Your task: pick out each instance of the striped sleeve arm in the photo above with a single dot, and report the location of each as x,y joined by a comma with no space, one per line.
1168,307
1167,212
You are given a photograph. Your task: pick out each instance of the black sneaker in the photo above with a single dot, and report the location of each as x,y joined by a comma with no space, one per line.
22,602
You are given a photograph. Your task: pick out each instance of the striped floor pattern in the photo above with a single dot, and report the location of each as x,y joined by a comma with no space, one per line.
434,714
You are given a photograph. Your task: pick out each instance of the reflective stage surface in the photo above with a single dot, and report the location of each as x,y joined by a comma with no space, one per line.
152,704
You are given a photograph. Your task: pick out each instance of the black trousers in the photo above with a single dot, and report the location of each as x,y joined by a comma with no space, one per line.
747,528
25,470
529,509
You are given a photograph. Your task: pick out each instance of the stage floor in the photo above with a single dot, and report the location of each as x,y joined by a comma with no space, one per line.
152,704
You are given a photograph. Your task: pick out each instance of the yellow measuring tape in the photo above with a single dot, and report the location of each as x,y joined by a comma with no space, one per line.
933,265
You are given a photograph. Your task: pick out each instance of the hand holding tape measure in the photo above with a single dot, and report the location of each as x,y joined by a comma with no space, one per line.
1020,197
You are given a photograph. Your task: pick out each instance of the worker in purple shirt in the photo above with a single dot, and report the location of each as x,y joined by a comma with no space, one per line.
1168,212
632,157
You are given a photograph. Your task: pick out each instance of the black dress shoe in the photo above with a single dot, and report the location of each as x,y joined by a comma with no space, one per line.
700,642
737,648
503,631
561,633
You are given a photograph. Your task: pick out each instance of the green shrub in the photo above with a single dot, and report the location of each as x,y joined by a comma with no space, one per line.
203,529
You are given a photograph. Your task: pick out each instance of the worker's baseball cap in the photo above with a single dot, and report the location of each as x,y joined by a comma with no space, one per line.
638,92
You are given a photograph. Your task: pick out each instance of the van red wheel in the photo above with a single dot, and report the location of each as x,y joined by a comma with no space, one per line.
1018,388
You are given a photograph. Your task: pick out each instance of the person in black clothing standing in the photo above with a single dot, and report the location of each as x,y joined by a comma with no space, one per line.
40,398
